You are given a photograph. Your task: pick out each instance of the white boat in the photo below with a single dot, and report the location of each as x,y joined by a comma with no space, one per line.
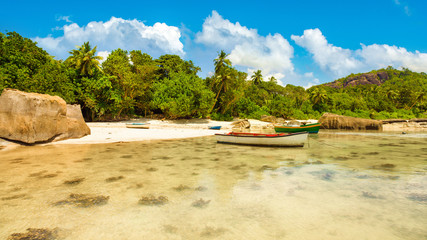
261,139
138,125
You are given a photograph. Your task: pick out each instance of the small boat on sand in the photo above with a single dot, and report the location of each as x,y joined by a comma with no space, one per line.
311,128
138,125
214,127
261,139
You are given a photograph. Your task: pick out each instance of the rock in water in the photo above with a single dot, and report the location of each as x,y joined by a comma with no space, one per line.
33,117
241,124
334,121
76,125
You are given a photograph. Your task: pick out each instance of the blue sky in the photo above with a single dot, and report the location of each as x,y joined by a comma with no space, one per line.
302,43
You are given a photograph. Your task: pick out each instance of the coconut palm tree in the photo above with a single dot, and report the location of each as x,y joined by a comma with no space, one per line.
83,59
392,95
221,78
418,97
318,95
221,63
257,77
273,79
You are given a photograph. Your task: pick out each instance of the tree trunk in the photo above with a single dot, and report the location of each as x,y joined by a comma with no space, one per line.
216,98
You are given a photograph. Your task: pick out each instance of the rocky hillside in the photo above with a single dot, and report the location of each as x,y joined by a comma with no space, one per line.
377,78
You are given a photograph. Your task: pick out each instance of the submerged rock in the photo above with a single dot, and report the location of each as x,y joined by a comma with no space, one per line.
201,203
418,197
152,200
385,166
181,188
114,179
83,200
212,232
201,188
371,195
35,234
74,181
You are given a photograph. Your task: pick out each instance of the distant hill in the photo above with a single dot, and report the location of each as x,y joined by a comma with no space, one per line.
376,78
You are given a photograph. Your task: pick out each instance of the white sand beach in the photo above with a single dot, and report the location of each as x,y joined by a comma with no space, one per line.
104,132
108,132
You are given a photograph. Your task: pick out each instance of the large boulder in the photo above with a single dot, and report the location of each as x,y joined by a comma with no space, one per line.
334,121
272,119
241,124
76,125
294,123
32,118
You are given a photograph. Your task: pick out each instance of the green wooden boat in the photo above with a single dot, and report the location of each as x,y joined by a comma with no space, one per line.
311,128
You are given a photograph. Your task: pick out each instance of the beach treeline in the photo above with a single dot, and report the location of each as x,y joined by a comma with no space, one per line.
134,84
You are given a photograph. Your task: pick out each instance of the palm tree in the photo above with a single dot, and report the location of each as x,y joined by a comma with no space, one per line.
318,95
392,94
257,77
273,79
83,59
418,96
221,63
221,78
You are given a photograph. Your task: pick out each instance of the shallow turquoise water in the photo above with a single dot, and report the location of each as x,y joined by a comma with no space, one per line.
339,186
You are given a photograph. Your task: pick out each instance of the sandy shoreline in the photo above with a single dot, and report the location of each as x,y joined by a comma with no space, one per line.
102,132
110,132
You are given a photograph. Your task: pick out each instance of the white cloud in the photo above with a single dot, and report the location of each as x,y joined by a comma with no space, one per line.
334,59
278,76
379,56
116,33
64,18
308,74
314,82
271,54
341,62
221,33
104,55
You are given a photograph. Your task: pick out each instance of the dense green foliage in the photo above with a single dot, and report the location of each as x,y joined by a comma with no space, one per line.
129,84
26,67
403,95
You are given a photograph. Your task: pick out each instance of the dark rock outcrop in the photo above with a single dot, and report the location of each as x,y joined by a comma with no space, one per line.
362,79
334,121
32,118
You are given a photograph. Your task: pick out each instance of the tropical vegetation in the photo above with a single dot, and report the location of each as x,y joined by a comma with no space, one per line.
134,84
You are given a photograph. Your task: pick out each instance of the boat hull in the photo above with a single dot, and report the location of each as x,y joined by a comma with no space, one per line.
138,125
310,128
274,140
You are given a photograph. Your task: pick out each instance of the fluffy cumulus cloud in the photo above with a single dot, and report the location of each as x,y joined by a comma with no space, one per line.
271,54
331,58
341,62
116,33
379,56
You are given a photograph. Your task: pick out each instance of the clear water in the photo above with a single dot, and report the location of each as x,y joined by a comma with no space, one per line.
339,186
